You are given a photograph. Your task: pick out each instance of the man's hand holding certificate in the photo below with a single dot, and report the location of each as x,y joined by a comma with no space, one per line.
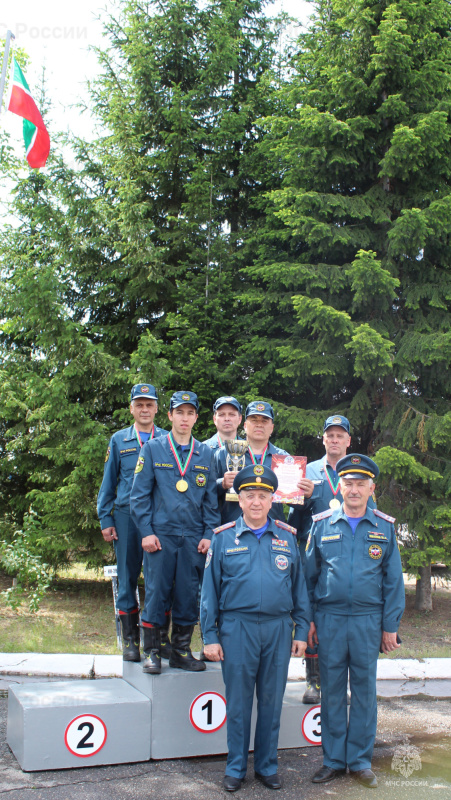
290,471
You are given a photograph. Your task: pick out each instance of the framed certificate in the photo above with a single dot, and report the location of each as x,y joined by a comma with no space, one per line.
289,471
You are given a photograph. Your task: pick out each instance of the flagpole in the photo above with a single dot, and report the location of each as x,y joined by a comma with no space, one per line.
9,36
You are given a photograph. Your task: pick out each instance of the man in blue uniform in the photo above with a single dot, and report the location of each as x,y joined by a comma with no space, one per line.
174,506
113,508
321,490
253,593
227,415
259,425
354,577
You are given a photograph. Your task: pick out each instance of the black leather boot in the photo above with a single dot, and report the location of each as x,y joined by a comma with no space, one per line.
130,636
166,646
312,693
152,655
181,655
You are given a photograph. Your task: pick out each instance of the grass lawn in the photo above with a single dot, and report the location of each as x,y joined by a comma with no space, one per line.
76,616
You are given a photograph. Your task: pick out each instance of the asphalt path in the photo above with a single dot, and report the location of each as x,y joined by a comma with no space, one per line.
416,728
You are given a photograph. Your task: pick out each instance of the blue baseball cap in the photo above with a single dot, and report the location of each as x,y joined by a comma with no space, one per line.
256,477
227,401
261,408
338,421
354,465
143,390
179,398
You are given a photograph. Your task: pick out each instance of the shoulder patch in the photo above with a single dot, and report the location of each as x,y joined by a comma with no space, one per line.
323,515
285,526
224,527
383,516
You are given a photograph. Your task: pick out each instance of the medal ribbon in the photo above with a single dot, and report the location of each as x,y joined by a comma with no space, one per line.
329,481
138,436
221,443
253,457
183,469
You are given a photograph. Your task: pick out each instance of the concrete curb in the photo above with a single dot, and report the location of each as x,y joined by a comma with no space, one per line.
91,666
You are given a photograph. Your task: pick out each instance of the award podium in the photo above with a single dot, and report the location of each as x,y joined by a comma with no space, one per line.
69,724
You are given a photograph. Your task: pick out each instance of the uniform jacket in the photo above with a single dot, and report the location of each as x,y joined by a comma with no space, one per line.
355,574
254,577
301,516
157,507
120,462
229,509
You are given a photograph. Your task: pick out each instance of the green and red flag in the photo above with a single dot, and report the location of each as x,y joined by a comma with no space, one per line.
36,137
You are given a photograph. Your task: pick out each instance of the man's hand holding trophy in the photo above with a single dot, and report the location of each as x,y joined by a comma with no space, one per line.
235,461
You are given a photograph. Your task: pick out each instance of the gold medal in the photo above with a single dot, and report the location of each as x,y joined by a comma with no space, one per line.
334,503
181,485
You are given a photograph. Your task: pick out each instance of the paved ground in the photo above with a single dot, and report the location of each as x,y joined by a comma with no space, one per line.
421,722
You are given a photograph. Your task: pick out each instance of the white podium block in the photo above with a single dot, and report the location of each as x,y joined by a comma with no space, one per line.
189,712
70,724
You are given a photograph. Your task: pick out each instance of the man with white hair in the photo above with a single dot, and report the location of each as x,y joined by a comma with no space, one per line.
355,582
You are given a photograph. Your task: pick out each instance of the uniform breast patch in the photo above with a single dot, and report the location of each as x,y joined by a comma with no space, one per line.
208,559
201,480
199,466
277,549
375,551
377,536
333,537
231,551
281,562
160,465
128,450
139,465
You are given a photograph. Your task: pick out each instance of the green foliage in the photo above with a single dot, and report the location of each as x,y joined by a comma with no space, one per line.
352,260
127,268
21,559
243,225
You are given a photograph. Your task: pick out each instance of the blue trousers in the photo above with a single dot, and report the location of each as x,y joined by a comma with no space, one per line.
129,558
172,576
256,657
348,643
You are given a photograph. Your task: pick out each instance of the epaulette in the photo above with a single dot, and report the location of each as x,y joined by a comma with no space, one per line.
285,526
224,527
383,516
323,515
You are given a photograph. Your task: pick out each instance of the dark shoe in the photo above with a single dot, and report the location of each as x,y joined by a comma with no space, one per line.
166,646
366,777
181,656
326,774
231,784
270,781
152,655
130,636
312,694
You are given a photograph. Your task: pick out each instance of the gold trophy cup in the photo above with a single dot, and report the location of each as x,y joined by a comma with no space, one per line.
235,461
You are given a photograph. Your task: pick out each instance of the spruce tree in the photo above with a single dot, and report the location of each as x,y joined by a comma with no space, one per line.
353,273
